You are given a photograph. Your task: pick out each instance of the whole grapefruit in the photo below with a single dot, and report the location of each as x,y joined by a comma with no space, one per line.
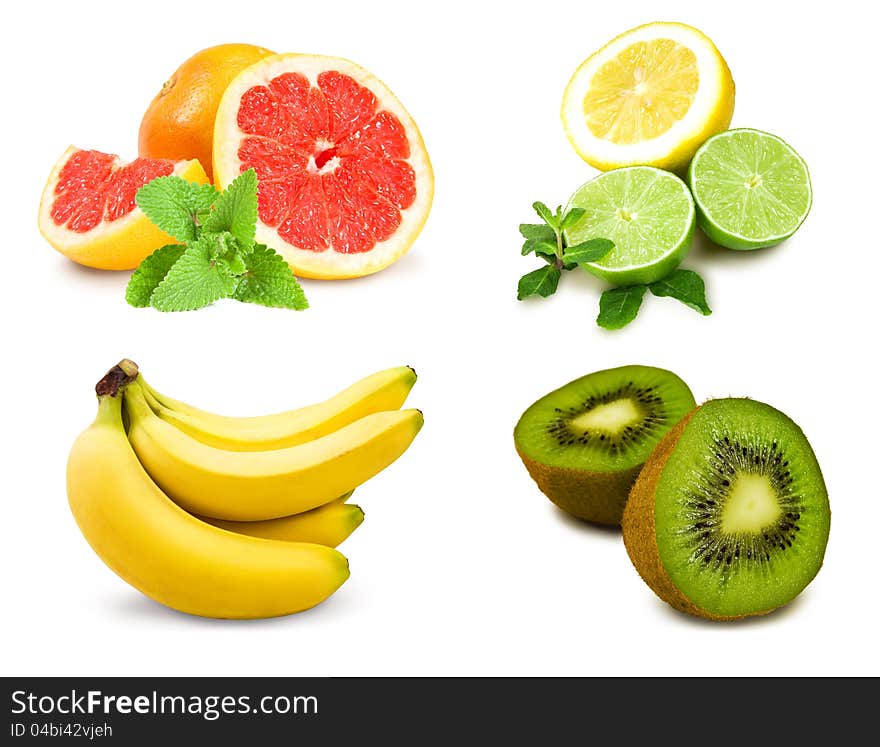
179,123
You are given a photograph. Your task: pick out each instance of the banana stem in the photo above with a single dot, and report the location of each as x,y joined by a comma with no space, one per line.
117,378
109,410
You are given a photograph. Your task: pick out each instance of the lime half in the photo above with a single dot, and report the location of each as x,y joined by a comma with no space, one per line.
751,188
648,213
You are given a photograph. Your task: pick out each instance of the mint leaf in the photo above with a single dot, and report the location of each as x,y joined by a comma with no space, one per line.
195,280
548,242
549,258
269,281
175,205
233,265
235,210
587,251
541,282
149,274
547,216
539,245
220,258
619,306
686,286
227,251
538,231
571,218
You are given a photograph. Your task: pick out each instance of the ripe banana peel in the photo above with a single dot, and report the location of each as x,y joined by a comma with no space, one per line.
174,557
269,499
255,486
329,525
379,392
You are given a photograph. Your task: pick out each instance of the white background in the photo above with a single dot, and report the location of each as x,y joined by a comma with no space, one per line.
462,566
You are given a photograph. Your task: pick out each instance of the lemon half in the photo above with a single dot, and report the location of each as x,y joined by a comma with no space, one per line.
651,96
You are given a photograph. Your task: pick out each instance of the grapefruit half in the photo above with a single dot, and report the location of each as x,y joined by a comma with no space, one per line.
345,183
88,212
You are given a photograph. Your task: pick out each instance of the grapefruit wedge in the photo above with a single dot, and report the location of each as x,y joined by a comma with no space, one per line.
88,212
345,183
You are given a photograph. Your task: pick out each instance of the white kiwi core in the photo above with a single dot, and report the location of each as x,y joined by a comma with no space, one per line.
751,505
610,417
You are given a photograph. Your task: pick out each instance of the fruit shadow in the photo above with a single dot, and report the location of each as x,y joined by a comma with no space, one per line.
410,268
588,527
777,616
144,609
72,270
705,254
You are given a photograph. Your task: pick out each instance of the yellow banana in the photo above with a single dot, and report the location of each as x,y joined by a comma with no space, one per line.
258,485
385,390
329,525
173,557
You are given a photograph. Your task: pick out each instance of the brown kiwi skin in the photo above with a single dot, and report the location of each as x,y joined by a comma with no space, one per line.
640,535
592,496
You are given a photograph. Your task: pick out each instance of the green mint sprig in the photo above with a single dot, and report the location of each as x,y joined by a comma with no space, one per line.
547,241
619,306
217,256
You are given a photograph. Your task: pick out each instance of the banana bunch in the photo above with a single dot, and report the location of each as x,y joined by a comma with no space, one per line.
231,517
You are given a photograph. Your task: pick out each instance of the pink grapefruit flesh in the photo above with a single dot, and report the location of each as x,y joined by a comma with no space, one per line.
92,187
344,181
88,210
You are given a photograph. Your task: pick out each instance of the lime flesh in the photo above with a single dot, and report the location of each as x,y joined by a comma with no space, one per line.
648,213
751,188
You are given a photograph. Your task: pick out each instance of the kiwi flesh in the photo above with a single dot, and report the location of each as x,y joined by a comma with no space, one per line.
585,443
729,517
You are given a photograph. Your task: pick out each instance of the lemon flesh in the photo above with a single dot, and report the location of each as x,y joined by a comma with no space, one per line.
651,96
643,92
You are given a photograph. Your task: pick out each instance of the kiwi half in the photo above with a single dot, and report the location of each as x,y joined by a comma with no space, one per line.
585,443
730,516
